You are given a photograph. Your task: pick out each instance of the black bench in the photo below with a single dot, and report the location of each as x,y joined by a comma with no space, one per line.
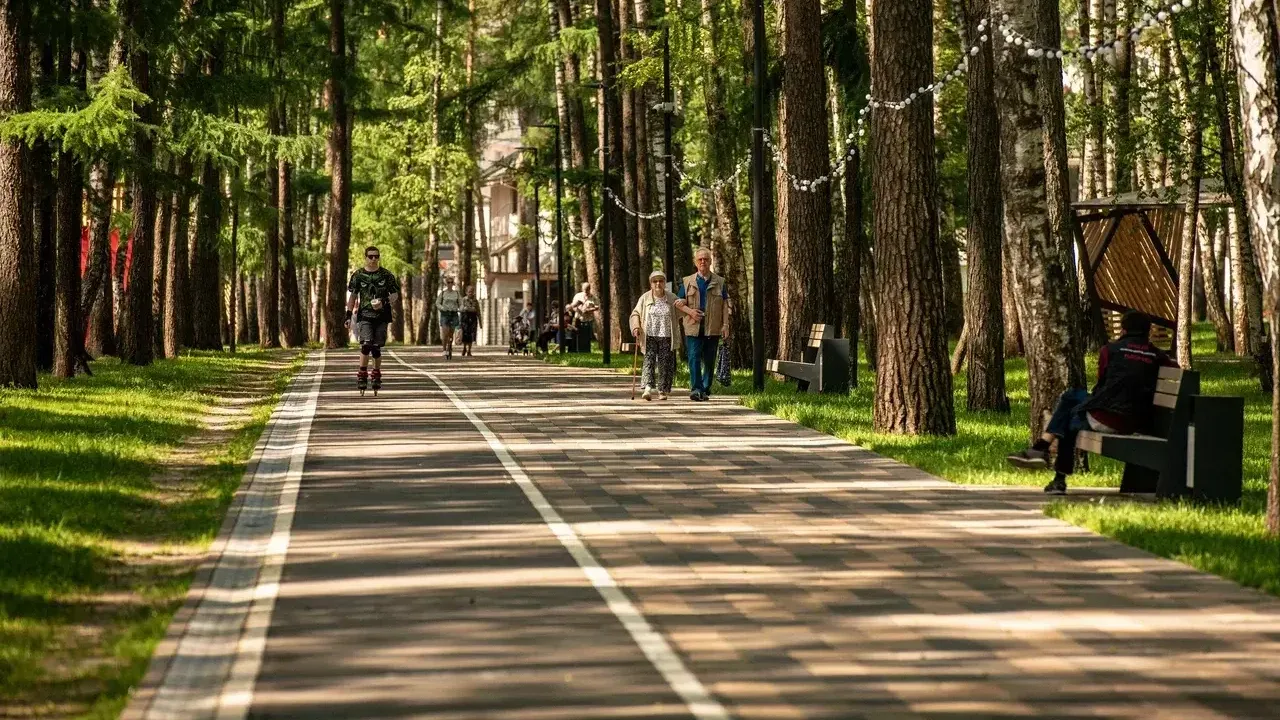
824,364
1195,445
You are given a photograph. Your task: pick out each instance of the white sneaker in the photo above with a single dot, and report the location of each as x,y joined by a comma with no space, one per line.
662,396
648,394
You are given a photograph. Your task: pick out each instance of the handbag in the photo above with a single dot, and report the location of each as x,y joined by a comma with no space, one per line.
723,375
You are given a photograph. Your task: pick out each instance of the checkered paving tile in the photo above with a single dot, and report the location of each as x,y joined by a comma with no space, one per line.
802,577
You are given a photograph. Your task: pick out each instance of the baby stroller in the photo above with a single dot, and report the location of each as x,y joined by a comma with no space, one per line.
520,333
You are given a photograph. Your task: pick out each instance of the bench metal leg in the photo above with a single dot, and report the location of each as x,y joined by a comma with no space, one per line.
1139,480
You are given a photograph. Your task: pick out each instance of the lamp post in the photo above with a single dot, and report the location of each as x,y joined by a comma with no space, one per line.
560,273
606,301
537,244
669,160
757,189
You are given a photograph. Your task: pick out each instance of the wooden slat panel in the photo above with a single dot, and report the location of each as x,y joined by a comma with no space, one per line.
1089,442
1171,373
1131,274
1166,401
1168,386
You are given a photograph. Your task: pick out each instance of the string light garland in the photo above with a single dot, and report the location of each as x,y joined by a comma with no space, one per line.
1089,52
588,237
1012,38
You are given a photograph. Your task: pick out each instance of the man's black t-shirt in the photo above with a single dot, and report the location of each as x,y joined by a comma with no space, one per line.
366,286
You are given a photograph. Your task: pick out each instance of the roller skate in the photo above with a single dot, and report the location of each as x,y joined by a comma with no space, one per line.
377,381
362,380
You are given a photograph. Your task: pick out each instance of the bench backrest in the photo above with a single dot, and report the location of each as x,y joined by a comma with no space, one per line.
820,332
1171,405
817,333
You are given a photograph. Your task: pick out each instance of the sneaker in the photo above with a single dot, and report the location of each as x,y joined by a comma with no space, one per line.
1056,486
1030,459
648,394
695,396
662,396
706,396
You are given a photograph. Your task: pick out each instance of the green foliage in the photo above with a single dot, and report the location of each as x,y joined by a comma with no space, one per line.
105,125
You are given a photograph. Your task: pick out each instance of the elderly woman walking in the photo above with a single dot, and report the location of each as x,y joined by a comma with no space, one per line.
652,323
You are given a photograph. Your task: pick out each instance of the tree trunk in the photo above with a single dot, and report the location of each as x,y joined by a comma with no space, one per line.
204,274
160,267
804,217
619,267
984,319
1193,80
95,296
137,338
242,309
1044,273
648,231
625,27
1254,30
1122,164
578,149
69,335
45,228
17,250
1093,165
253,309
340,186
913,382
269,286
178,326
290,300
730,256
1246,283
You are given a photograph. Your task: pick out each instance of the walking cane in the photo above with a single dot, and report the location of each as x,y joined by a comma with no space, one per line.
635,355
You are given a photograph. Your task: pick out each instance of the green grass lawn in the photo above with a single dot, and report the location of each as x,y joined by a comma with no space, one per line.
1226,541
85,589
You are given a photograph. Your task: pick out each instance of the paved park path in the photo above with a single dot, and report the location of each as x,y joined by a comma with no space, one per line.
498,538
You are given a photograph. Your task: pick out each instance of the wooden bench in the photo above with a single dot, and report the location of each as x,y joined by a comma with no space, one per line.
824,364
1195,446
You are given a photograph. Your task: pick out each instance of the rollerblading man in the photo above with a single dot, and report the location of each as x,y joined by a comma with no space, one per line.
372,290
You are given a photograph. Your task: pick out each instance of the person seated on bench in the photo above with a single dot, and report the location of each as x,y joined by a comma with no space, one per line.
1119,404
551,328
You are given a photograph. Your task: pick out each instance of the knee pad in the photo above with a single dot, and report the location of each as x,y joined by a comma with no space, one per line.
365,348
375,351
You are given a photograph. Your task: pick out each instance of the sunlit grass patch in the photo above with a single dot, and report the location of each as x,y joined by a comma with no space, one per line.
79,618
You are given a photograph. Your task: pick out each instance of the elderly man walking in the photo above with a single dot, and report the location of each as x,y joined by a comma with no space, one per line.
703,298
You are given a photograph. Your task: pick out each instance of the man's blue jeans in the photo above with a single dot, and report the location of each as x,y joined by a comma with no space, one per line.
701,352
1067,421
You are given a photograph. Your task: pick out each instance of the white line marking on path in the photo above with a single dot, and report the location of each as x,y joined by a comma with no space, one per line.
237,694
651,642
216,662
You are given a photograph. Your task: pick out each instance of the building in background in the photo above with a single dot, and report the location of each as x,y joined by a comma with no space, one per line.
506,283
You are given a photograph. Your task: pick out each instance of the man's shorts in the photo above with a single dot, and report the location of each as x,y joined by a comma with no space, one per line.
450,319
371,331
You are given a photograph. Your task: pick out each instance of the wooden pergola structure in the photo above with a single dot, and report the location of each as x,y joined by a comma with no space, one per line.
1133,241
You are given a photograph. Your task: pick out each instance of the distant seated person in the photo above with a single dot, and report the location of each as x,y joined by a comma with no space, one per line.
1120,403
584,305
549,329
529,314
